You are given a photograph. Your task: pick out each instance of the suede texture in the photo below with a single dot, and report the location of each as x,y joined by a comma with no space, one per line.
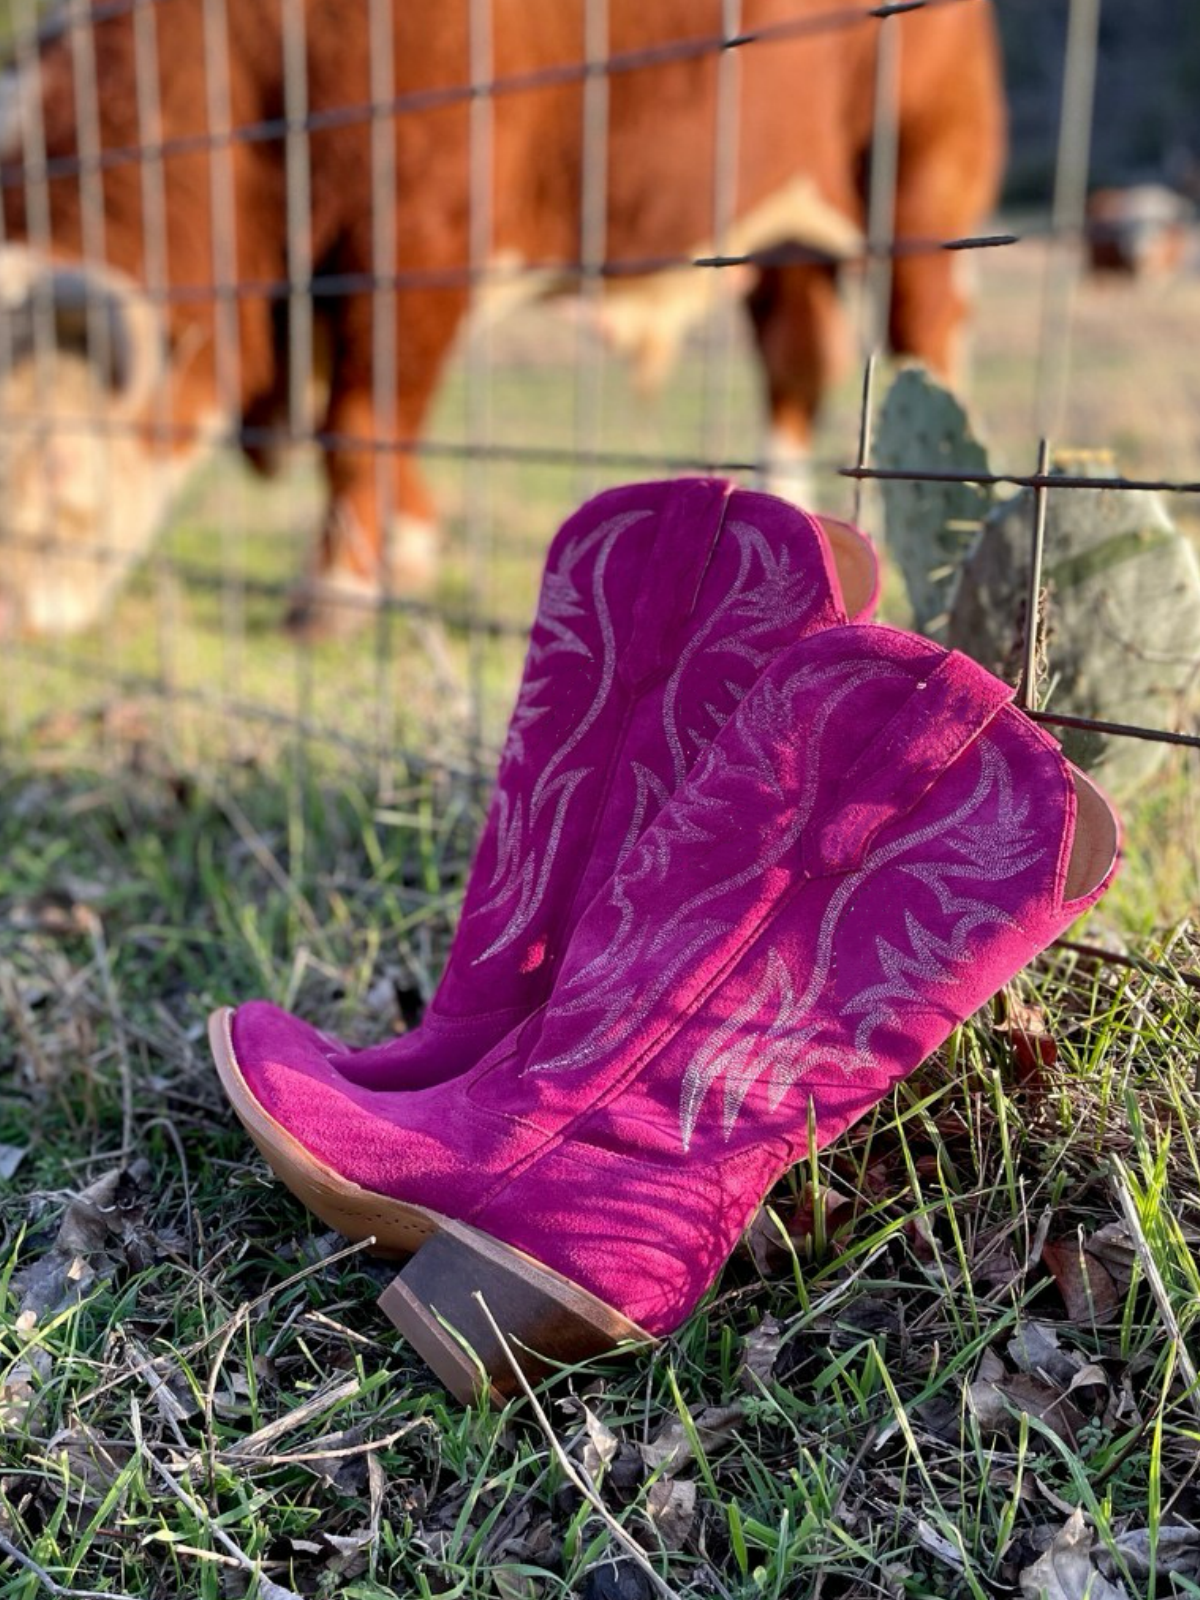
767,946
661,604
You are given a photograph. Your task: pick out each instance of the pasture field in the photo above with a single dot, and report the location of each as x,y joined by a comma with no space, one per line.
969,1319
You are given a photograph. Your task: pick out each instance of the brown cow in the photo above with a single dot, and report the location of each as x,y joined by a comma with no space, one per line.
91,262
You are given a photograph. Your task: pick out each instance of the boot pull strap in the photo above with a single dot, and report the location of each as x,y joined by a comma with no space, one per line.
945,712
689,525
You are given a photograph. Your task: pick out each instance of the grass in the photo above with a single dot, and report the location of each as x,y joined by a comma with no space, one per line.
213,1405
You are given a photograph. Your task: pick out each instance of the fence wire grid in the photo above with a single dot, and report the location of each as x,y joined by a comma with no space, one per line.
532,412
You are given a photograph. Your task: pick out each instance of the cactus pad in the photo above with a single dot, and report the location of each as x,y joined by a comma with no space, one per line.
929,527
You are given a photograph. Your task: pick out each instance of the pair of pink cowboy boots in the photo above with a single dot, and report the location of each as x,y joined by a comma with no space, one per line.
747,863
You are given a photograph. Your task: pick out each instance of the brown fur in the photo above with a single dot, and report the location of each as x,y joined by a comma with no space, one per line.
804,104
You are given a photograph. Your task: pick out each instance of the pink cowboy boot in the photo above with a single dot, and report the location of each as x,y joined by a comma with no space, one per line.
873,845
661,604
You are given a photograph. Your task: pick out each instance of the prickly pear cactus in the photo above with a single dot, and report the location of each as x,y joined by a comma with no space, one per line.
1121,612
929,527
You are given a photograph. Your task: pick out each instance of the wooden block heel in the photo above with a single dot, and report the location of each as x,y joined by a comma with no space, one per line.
548,1320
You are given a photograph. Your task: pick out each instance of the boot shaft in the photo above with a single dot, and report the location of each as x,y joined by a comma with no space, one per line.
660,605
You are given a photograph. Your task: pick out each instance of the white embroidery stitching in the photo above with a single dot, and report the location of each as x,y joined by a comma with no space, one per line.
775,600
526,847
778,1051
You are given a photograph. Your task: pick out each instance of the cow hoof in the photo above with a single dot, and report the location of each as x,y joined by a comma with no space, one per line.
338,600
334,604
413,552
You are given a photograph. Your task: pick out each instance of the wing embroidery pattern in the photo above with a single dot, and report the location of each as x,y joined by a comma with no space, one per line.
766,596
528,840
988,838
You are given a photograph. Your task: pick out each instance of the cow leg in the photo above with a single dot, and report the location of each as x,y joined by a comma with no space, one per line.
801,338
947,180
379,536
928,308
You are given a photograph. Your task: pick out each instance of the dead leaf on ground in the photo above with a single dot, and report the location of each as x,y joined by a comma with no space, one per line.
111,1214
760,1351
599,1446
999,1402
1066,1570
533,1542
1113,1247
275,1591
22,1391
941,1417
62,912
1033,1045
338,1555
50,1284
94,1463
513,1584
994,1262
1034,1348
348,1552
671,1510
1087,1288
1176,1550
671,1447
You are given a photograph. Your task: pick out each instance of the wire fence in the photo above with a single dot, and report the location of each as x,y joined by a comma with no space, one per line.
144,353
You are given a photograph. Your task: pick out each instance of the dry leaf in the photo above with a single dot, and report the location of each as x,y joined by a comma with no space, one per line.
1113,1247
671,1509
1066,1571
513,1584
1034,1348
274,1591
525,1544
994,1260
1033,1044
600,1445
991,1369
94,1462
941,1417
760,1350
772,1249
999,1402
50,1284
21,1392
111,1213
1088,1291
672,1448
1177,1550
348,1552
57,911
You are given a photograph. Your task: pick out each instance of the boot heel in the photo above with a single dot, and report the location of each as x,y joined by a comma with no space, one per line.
548,1320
